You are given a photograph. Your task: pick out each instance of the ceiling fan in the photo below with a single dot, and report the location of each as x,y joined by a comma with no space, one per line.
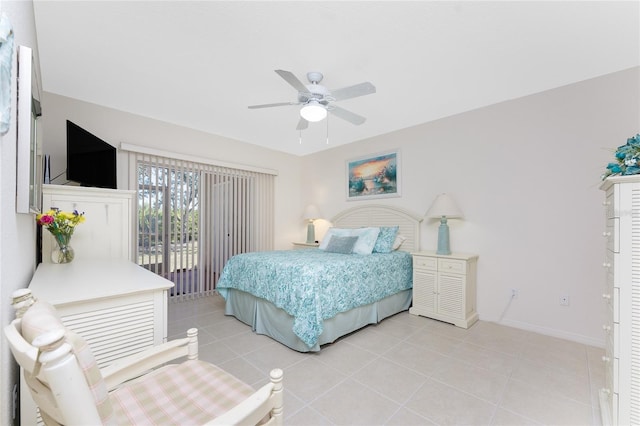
317,100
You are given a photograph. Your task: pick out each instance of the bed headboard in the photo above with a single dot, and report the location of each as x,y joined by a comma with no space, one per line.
382,215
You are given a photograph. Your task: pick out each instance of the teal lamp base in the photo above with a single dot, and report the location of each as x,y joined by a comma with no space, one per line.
443,237
311,233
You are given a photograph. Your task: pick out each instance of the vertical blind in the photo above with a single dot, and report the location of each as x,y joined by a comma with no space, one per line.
192,217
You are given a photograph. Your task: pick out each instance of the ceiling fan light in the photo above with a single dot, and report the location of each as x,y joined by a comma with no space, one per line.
313,111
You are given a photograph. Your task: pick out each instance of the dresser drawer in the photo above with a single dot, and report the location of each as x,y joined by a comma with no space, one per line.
609,206
607,291
430,263
615,341
609,267
608,298
615,297
607,359
611,234
452,265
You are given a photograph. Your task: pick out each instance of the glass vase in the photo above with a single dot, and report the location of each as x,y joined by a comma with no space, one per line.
62,251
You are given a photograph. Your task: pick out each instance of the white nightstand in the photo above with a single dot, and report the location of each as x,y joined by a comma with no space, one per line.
305,246
444,287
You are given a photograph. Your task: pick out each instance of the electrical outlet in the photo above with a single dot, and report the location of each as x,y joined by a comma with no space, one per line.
564,300
514,293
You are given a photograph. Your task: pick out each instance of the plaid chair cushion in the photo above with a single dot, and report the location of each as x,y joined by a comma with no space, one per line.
42,317
180,394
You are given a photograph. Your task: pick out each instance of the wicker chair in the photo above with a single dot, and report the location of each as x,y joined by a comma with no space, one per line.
145,388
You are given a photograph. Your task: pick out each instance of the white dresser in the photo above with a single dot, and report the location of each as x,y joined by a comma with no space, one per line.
119,307
108,230
444,287
620,398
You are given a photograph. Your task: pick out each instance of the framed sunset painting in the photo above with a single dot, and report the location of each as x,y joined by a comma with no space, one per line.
374,176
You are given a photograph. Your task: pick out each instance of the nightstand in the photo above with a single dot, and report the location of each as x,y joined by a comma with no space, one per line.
444,287
305,246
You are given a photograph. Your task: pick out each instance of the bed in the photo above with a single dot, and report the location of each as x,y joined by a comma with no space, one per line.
307,298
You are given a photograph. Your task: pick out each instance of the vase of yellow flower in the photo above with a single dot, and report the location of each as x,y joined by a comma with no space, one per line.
62,252
61,225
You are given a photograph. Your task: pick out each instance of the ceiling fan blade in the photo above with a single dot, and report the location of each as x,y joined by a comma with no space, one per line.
293,80
273,105
302,124
353,91
347,115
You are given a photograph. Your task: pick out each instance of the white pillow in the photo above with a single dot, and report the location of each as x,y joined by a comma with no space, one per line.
398,242
366,238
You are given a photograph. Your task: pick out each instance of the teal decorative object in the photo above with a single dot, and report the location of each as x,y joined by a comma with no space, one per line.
443,206
311,213
443,237
311,233
627,159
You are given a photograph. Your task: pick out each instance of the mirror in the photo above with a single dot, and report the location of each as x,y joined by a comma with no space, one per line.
29,147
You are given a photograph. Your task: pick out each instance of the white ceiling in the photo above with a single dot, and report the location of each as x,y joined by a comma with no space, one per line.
200,64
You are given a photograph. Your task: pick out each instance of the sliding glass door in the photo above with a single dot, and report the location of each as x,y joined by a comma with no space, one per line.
168,217
227,220
193,217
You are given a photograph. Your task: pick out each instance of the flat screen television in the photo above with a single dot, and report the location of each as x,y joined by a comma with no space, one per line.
90,160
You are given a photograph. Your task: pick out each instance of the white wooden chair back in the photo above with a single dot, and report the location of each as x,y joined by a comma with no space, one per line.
42,380
70,389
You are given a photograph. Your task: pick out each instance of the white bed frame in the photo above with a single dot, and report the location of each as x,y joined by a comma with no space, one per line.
266,318
382,215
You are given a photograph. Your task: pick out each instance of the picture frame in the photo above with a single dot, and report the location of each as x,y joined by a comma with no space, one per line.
374,176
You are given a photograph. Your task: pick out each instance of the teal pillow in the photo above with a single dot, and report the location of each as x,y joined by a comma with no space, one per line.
386,237
366,238
342,245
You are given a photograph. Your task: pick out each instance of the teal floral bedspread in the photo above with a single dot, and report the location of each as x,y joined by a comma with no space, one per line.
314,285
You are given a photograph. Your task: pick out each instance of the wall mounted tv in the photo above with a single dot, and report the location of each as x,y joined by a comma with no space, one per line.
90,160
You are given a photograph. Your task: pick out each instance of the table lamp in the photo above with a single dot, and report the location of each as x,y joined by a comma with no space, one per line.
443,207
311,213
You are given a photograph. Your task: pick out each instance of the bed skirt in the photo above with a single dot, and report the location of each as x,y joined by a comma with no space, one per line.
265,318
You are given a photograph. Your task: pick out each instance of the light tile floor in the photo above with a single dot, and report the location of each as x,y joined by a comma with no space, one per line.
410,370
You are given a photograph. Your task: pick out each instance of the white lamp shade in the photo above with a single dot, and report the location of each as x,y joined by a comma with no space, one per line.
444,205
313,111
311,212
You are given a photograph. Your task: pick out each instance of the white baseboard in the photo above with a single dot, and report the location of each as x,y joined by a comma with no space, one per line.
586,340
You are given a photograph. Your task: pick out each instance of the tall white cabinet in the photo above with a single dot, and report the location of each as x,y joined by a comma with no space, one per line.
620,398
119,307
108,230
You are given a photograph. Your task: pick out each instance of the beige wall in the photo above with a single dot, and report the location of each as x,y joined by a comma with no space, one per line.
526,174
116,127
17,231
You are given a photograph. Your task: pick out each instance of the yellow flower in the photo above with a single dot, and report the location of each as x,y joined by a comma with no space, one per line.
60,224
